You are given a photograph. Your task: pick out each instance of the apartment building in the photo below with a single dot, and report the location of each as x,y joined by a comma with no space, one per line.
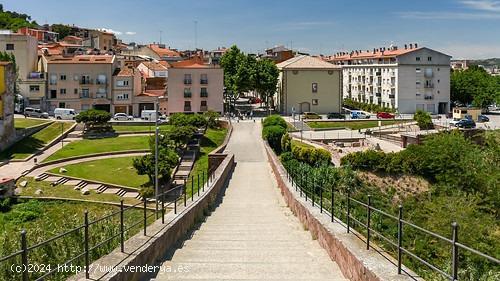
80,82
154,68
408,79
7,81
308,84
194,86
25,49
278,54
156,51
44,36
127,84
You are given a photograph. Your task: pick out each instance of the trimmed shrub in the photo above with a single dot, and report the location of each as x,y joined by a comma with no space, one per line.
273,135
352,104
424,120
311,156
286,143
181,119
274,120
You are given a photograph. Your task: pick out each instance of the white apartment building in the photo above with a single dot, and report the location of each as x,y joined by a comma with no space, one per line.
408,78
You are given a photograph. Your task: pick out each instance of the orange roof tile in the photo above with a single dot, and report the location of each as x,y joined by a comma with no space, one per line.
373,55
83,59
195,62
163,52
155,65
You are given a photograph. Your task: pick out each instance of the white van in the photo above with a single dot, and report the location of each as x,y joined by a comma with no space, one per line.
64,114
149,115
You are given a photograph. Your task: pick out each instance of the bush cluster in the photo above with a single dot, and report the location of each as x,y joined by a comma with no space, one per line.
181,119
312,156
274,127
375,108
424,120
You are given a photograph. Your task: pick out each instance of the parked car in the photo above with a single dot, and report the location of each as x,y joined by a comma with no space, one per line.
483,118
359,115
254,100
35,112
64,114
122,117
335,115
466,124
150,115
311,115
385,115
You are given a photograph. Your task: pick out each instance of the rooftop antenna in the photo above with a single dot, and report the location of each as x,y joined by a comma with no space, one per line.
160,35
195,35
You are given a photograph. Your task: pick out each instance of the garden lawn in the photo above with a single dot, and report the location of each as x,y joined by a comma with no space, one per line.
353,125
212,139
139,128
23,123
84,147
301,144
111,170
35,142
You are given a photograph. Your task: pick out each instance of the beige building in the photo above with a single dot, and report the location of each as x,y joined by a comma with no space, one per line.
80,82
408,79
7,79
156,51
127,84
309,84
31,82
195,87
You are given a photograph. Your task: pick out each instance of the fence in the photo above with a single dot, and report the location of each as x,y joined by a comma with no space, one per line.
167,199
335,203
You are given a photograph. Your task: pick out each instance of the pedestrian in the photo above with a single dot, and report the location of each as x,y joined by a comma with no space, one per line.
35,160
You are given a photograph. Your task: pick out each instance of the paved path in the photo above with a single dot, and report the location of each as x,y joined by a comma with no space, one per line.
252,235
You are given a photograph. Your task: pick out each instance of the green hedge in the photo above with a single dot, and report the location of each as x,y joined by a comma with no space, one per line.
311,156
273,130
375,108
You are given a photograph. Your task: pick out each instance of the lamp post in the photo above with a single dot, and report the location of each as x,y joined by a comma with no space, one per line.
156,159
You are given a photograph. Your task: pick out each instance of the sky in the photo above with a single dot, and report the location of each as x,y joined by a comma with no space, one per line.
461,28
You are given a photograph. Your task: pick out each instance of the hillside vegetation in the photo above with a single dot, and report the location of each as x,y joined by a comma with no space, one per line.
13,20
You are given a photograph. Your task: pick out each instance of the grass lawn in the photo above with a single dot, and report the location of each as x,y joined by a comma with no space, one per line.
301,144
64,191
139,128
353,125
210,141
23,123
112,170
83,147
31,144
43,219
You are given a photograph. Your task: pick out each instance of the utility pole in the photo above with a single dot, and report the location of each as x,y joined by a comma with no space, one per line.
156,158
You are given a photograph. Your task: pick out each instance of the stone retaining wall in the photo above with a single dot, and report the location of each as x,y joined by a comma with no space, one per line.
150,250
348,251
216,156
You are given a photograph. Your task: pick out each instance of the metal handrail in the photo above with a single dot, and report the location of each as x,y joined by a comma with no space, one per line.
25,249
297,180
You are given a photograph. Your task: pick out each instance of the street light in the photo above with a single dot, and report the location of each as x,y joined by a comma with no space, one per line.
156,159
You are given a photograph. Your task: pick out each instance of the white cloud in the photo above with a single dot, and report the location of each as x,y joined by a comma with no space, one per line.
483,5
116,32
447,15
130,33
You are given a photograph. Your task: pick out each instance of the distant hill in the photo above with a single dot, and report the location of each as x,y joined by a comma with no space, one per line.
13,20
485,62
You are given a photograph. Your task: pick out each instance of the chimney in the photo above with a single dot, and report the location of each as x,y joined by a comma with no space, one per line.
395,47
411,46
374,50
406,46
416,46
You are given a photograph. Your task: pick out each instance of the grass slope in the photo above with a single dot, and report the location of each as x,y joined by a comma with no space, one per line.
84,147
353,125
31,144
23,123
140,128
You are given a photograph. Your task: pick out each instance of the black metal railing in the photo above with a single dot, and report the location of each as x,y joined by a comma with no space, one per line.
165,200
341,205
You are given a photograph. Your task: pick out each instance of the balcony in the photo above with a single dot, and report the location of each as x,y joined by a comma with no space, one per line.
203,94
378,95
392,96
203,81
429,85
85,95
101,82
428,97
187,82
187,94
101,95
187,108
36,75
203,108
85,81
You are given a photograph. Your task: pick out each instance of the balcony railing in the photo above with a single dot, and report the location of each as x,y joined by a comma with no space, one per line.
378,95
101,82
429,85
187,94
203,81
203,94
429,97
391,96
36,75
85,95
187,108
85,81
101,95
187,82
203,108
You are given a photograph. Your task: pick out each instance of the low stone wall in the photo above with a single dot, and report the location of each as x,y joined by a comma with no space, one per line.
348,251
216,156
143,251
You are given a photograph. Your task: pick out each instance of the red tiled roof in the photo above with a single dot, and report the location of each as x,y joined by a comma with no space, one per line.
153,93
126,72
83,59
155,65
163,52
195,62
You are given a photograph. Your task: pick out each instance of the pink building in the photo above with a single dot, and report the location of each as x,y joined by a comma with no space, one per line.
195,87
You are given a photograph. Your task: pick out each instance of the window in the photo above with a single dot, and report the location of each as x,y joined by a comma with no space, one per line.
122,83
75,91
9,47
187,92
315,102
53,79
122,97
101,79
62,91
439,81
62,105
417,58
203,103
429,58
187,79
295,72
418,83
187,105
203,79
53,94
85,93
418,70
34,88
203,93
314,87
62,77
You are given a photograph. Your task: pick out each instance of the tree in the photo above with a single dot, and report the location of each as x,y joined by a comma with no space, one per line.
179,136
424,120
62,29
167,160
93,118
474,86
266,79
211,117
14,21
